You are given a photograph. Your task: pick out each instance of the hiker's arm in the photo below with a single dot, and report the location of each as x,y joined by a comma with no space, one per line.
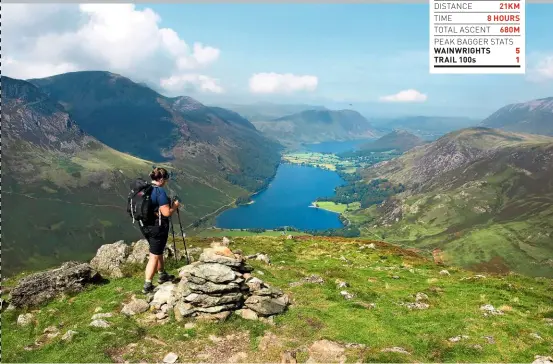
168,211
164,208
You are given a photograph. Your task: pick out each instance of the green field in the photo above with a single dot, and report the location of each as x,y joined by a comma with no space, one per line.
337,207
318,312
320,160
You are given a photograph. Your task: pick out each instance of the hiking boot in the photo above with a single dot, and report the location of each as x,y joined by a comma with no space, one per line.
148,288
164,277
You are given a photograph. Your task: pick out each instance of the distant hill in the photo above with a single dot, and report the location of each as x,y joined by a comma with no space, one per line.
534,117
312,126
67,189
426,127
264,111
399,140
481,195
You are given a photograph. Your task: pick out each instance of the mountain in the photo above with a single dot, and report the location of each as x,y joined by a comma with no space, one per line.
312,126
483,196
66,174
263,111
534,117
426,127
399,140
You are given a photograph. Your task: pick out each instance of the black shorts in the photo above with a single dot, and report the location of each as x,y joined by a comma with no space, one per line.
157,237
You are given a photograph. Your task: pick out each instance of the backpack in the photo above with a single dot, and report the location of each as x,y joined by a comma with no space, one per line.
139,202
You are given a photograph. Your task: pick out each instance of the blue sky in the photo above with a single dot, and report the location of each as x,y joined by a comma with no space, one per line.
357,53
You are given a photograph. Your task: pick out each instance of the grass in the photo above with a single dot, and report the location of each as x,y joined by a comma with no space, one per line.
318,312
337,207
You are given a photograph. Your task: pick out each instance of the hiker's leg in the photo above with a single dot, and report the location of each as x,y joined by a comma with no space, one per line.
151,267
161,264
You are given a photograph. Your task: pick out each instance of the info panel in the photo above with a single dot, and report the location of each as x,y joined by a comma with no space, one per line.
477,36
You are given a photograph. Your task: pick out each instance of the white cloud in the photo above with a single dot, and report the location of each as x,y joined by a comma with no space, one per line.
42,40
282,83
191,82
405,96
543,71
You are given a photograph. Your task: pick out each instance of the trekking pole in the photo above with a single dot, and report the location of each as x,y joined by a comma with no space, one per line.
174,244
183,241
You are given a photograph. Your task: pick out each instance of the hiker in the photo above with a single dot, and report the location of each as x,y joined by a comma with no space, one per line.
157,232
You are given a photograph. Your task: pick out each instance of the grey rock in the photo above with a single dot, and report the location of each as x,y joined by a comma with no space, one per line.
268,291
444,272
135,307
226,241
217,309
216,273
110,258
325,351
538,359
417,306
248,314
183,310
396,349
210,287
264,258
68,336
164,295
161,315
421,297
101,315
25,319
489,309
100,323
39,288
266,306
456,339
170,358
254,283
210,256
346,295
341,284
189,325
140,252
204,300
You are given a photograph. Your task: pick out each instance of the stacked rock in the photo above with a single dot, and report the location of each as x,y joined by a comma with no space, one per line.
219,283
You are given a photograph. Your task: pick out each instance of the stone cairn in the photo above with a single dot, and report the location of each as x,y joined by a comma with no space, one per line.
218,284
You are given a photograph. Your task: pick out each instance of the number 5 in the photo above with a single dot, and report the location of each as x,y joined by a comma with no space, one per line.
518,50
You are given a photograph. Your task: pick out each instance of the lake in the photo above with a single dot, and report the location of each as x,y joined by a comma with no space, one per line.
336,147
286,202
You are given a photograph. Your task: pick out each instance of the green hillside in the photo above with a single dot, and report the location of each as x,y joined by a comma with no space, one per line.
398,140
482,196
396,307
67,191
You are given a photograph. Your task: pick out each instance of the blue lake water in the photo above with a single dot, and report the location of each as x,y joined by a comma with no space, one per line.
336,147
286,202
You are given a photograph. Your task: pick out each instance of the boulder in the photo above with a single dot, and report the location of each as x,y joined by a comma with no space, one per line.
265,305
539,359
25,319
216,273
212,256
204,300
100,323
68,336
135,307
170,358
140,252
163,295
325,351
39,288
248,314
109,259
210,287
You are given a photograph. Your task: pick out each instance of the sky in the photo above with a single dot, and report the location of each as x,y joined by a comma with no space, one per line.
372,56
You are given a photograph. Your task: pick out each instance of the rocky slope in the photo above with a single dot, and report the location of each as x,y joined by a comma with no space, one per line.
302,300
67,190
480,195
399,140
534,117
311,126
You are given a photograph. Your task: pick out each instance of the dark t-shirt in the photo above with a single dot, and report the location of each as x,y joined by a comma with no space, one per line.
160,198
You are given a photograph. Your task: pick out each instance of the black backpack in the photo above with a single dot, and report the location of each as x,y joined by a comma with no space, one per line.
139,202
